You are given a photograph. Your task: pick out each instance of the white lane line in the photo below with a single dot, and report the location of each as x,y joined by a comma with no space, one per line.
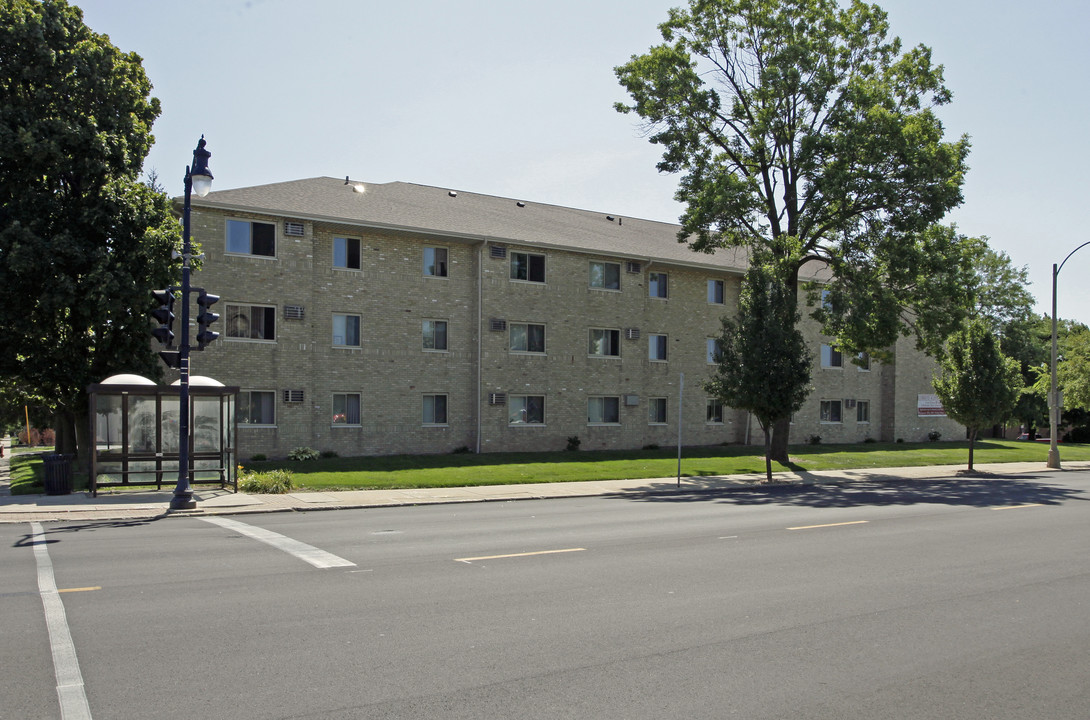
308,553
70,690
518,555
1018,507
827,525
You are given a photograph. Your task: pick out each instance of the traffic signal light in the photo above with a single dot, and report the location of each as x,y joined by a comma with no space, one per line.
165,315
206,317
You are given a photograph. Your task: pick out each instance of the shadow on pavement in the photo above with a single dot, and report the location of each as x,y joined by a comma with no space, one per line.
972,491
55,528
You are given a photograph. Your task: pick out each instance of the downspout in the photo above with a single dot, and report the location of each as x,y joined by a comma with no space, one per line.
480,329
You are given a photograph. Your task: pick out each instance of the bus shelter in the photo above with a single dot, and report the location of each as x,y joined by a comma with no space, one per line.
134,433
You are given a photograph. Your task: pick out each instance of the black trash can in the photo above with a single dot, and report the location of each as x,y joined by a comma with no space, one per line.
58,474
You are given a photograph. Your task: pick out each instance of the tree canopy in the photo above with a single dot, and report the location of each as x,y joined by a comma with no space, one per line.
763,363
802,129
82,240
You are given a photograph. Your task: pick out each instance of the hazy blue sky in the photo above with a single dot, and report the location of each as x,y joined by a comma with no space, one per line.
514,98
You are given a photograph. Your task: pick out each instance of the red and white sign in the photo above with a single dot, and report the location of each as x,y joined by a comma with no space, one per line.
929,406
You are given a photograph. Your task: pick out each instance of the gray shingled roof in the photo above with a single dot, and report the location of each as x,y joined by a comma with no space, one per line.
470,216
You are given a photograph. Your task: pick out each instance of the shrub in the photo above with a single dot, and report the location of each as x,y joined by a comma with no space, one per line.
651,446
573,443
869,439
303,453
329,454
934,435
272,482
461,450
258,457
814,439
1077,435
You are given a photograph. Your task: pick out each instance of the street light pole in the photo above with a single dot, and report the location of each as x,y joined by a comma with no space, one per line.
198,179
1055,407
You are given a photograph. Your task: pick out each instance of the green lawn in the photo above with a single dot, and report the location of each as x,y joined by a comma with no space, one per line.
421,471
27,475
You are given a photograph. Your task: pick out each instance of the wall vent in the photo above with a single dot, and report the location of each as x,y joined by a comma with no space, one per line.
497,398
293,396
293,229
497,325
632,333
849,402
634,267
497,251
294,312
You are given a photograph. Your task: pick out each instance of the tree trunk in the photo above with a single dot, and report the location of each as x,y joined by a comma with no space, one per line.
777,449
972,439
768,455
64,429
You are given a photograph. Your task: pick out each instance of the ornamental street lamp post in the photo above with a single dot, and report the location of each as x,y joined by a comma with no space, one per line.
1055,403
198,179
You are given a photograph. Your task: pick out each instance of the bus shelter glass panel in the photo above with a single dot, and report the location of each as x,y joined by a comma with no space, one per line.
169,431
142,425
108,423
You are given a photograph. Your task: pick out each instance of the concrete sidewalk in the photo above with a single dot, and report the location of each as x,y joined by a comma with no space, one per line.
132,505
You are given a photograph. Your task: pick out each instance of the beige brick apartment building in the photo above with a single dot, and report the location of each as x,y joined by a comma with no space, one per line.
390,318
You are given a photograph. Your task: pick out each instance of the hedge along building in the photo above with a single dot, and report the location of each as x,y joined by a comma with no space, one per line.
399,318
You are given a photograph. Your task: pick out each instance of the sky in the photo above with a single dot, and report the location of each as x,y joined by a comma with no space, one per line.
515,98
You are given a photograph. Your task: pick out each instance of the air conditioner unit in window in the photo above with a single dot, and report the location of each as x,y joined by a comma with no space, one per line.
632,333
497,324
849,402
497,398
634,267
293,312
631,400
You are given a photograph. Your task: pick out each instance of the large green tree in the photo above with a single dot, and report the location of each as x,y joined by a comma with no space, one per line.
763,363
82,240
801,129
977,384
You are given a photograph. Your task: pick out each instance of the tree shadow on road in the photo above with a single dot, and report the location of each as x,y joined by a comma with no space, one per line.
875,489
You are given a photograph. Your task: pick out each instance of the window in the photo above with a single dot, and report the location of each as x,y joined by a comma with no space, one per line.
715,292
605,275
863,362
826,303
526,410
251,238
715,411
346,408
830,411
435,409
712,350
604,410
831,357
435,334
346,330
862,411
604,343
525,266
346,253
253,322
435,262
656,347
256,407
656,411
527,338
657,284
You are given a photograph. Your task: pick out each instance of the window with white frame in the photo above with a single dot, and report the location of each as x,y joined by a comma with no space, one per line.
656,411
715,412
862,361
604,343
605,275
862,411
526,410
250,322
830,411
711,350
435,409
715,292
346,253
528,267
831,357
656,347
658,285
256,407
435,262
527,337
346,330
346,408
604,410
247,237
435,334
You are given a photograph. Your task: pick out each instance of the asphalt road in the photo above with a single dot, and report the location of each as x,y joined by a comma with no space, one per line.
960,599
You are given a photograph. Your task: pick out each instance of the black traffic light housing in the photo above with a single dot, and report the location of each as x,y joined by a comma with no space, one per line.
164,314
206,317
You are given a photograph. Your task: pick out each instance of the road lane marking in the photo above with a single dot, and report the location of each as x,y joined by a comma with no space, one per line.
515,555
811,527
85,589
1016,507
307,553
70,690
